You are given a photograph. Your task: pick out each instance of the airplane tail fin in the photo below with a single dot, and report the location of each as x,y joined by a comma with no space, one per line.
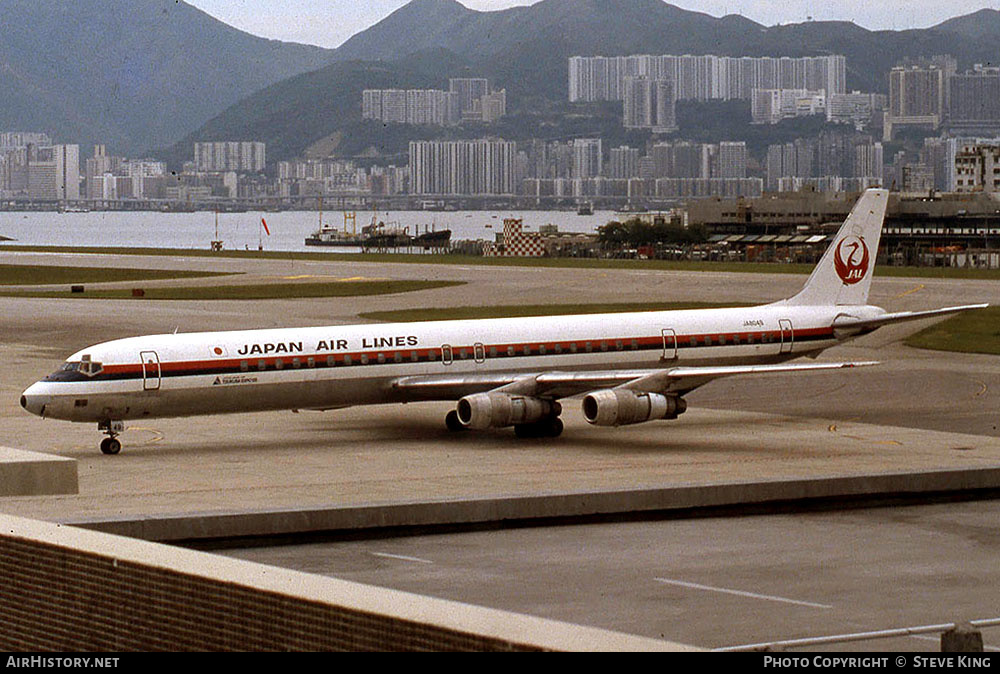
844,274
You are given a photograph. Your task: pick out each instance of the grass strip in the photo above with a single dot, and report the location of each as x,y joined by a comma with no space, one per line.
969,332
516,311
555,262
263,291
18,274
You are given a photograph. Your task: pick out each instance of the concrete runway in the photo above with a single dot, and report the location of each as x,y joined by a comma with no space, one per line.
918,411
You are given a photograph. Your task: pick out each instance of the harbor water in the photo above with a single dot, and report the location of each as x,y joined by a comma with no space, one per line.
240,231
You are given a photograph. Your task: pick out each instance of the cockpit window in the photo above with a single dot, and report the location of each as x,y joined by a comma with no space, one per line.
84,366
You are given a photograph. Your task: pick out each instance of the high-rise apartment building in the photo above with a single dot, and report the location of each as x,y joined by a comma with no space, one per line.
470,92
974,105
239,156
53,172
649,104
702,78
731,160
624,162
851,157
587,158
977,168
431,107
11,140
462,167
916,98
494,106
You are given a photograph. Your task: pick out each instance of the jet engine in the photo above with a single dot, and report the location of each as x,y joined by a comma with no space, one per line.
496,410
619,407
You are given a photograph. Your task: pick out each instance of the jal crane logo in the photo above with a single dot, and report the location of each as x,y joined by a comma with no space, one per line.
851,260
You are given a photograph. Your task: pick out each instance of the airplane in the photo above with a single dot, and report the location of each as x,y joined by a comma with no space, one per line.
629,368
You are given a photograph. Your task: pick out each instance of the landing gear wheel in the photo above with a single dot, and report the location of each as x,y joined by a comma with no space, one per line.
110,446
547,428
452,422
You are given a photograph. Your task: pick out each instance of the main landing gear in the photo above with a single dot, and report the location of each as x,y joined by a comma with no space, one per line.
111,444
546,428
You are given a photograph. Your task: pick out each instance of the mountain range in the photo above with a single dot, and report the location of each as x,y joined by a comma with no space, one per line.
134,74
161,72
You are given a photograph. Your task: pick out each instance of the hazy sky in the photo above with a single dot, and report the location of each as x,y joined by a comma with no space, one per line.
328,23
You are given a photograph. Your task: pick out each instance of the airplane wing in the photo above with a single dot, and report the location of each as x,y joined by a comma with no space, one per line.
846,326
557,384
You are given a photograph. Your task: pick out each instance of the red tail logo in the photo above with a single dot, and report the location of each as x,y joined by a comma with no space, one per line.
851,260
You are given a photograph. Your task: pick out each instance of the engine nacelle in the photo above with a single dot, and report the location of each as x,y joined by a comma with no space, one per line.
496,410
619,407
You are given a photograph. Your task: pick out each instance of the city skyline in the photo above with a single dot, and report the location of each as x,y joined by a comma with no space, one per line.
329,23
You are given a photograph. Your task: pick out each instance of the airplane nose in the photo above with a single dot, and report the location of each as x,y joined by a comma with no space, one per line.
34,401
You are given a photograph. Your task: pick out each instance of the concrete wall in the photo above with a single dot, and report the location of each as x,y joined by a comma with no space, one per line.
69,589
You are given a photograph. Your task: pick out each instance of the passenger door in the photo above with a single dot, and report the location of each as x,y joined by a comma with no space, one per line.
150,371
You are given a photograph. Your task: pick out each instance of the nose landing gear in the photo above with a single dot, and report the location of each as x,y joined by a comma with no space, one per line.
111,444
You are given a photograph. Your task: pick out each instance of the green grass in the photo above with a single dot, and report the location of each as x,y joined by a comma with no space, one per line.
18,274
262,291
512,311
559,262
969,332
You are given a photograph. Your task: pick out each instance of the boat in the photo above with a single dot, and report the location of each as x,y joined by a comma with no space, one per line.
382,236
437,239
328,235
585,209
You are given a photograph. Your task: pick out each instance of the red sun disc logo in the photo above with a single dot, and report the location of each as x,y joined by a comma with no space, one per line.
851,259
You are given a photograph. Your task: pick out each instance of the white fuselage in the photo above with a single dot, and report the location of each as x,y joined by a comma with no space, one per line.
338,366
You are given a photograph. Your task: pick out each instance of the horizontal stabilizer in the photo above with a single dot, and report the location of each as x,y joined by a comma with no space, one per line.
848,325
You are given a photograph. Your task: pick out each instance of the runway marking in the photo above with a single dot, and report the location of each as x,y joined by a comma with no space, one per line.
910,292
402,557
740,593
157,435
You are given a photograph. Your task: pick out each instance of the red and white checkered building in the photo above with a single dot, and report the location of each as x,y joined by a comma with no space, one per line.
516,242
